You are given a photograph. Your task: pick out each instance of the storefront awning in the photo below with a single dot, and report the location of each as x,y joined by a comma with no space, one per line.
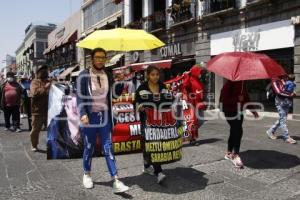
56,72
114,60
162,64
67,72
72,37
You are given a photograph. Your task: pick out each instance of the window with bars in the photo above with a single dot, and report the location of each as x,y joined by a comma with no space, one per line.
98,11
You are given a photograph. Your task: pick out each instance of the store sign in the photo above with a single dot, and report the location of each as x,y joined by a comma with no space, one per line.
246,41
170,50
295,20
255,38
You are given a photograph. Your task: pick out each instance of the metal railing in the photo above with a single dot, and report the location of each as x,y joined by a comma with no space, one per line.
156,21
212,6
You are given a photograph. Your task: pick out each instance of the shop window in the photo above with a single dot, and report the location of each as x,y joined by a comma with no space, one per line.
98,11
257,88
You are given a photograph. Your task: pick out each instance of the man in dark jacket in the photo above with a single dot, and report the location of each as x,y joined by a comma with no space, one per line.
39,91
94,103
11,94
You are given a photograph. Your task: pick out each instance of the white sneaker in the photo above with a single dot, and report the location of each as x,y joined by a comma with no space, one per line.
18,130
6,129
119,187
237,161
34,149
290,140
149,170
271,135
161,177
87,181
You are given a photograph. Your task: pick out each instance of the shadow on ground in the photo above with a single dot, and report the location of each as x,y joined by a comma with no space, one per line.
179,180
269,159
200,142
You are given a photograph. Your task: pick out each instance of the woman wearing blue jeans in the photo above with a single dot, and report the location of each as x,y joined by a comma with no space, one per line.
94,104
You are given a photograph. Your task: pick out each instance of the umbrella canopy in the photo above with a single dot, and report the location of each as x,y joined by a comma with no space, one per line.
238,66
120,39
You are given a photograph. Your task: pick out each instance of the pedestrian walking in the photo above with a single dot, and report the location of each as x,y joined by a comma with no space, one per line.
94,95
283,101
11,94
39,91
154,87
233,99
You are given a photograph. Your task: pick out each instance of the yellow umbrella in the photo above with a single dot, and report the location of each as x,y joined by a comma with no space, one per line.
120,39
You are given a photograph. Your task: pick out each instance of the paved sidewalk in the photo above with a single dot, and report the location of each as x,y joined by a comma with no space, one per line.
272,170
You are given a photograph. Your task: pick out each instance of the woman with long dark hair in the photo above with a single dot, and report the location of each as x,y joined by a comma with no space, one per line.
152,86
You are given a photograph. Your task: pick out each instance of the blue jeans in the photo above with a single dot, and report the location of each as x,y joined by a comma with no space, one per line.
103,128
283,113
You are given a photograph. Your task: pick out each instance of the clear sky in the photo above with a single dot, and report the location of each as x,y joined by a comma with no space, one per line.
16,15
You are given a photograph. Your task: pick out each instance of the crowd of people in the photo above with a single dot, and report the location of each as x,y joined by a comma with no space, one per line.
94,95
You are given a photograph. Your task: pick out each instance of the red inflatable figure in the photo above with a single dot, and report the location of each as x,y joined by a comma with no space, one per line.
195,92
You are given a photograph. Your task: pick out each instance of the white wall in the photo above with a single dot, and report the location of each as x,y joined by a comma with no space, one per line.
127,12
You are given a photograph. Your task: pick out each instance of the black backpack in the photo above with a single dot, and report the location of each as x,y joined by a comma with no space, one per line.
270,94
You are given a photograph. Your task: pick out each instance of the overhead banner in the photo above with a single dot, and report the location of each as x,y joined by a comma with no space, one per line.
163,140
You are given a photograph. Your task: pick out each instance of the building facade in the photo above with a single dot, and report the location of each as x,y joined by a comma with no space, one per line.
21,61
62,55
10,65
33,46
196,30
263,26
100,14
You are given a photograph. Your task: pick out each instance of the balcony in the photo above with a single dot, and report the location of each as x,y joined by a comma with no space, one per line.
181,11
156,21
136,24
217,6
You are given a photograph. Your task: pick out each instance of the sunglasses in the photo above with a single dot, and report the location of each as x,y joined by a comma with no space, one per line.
98,58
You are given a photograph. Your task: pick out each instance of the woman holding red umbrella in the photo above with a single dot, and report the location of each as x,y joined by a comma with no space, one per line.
232,101
238,67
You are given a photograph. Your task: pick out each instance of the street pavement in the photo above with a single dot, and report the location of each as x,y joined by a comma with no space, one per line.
272,169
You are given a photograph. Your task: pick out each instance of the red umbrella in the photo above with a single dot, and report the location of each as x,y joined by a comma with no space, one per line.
238,66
